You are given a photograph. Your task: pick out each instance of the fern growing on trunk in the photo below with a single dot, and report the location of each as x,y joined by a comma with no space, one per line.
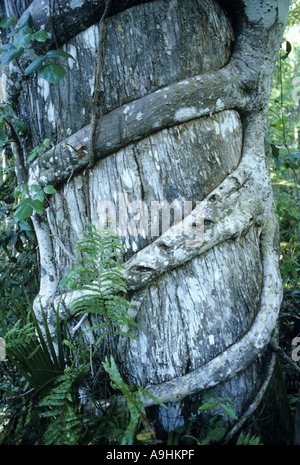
99,281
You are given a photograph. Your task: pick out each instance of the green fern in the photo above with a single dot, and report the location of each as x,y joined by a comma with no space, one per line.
247,440
99,277
44,359
22,424
63,408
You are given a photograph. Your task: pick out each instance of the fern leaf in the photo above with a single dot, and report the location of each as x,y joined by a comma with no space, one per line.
99,277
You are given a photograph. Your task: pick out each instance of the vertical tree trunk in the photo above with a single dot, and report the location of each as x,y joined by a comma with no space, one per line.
184,90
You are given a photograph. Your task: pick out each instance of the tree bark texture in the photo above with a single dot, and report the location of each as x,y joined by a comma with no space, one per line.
182,116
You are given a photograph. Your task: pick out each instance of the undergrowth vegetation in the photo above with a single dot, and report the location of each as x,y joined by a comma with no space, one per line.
284,143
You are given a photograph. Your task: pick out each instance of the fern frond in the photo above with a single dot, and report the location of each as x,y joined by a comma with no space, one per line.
99,277
62,408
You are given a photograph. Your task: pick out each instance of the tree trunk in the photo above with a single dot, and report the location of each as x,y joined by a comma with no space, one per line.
168,104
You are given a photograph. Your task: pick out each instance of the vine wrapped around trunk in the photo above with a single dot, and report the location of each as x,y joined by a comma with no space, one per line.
179,114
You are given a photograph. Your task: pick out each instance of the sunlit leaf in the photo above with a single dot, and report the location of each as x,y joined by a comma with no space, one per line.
46,142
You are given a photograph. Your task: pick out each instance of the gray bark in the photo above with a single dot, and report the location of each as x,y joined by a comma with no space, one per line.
184,94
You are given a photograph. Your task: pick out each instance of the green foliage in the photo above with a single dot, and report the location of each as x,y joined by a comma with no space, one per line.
18,268
284,145
216,431
24,37
216,426
294,13
34,353
222,404
36,359
62,407
134,400
7,22
20,422
38,150
56,365
285,161
208,427
248,440
9,120
40,384
99,277
31,199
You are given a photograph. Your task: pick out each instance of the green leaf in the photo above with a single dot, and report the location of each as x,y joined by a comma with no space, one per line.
62,283
41,35
24,210
10,54
215,434
32,156
20,125
34,65
59,54
25,226
5,47
17,193
49,189
208,405
37,205
52,73
231,413
46,142
7,22
247,440
134,403
38,190
13,33
3,135
20,41
275,151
